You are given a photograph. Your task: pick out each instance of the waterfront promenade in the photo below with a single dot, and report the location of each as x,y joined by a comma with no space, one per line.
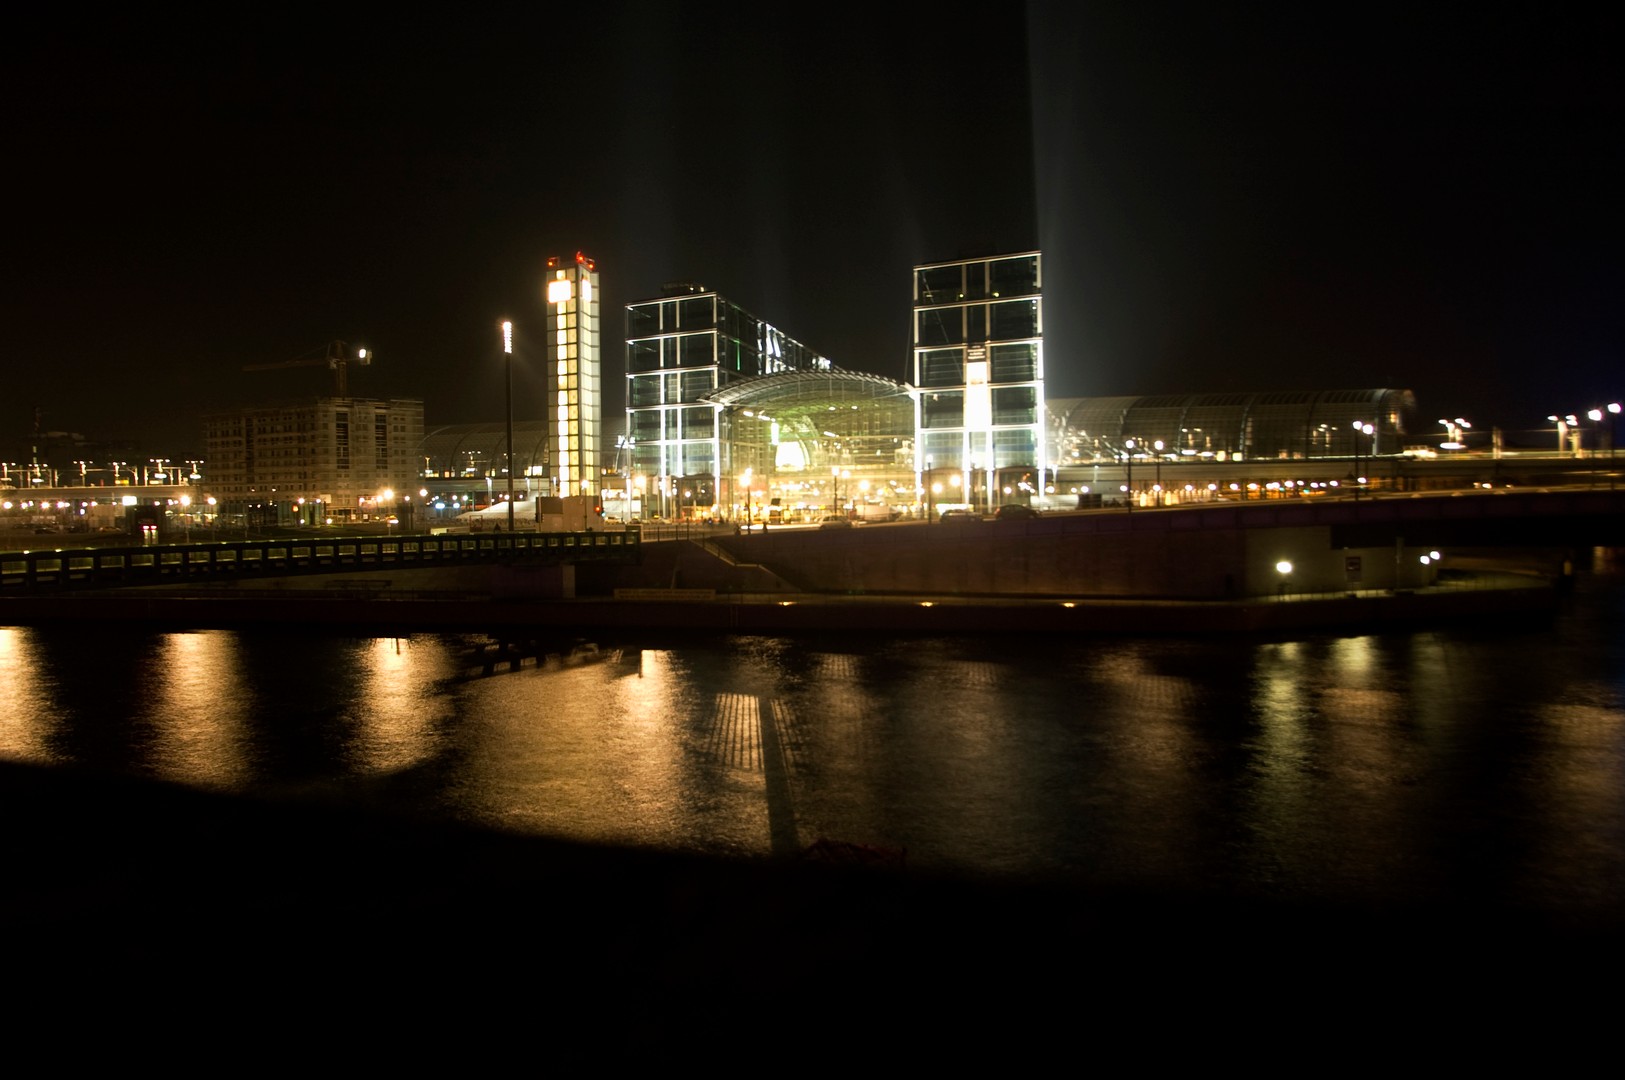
1488,596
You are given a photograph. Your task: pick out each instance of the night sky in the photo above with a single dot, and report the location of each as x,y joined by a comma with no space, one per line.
1227,197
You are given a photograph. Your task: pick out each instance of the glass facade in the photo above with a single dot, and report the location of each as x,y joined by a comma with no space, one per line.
681,349
978,369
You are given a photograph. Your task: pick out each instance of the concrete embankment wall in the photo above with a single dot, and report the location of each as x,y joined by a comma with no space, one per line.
1142,555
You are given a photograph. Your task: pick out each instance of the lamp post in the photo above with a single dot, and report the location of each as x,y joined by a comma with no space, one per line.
624,443
1612,409
507,367
1157,446
1128,464
928,485
1564,423
1360,428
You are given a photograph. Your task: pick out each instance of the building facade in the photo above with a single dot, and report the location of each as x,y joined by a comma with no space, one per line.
572,304
342,458
681,349
978,372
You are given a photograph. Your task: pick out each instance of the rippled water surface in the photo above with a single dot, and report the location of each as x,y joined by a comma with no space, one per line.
1484,760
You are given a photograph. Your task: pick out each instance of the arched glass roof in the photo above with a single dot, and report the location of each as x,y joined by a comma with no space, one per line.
1290,423
456,448
809,423
806,390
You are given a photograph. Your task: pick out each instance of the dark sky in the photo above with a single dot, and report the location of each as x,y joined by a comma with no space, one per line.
1228,197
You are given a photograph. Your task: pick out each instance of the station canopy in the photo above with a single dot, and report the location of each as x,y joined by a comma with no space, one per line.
813,421
1269,424
468,450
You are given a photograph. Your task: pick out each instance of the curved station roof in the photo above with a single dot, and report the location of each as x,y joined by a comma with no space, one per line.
1292,423
456,449
831,418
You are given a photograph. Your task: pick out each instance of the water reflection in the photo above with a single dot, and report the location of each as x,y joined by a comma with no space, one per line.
1476,762
399,708
29,690
193,707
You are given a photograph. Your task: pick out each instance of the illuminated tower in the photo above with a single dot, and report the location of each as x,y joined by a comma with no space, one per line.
572,302
979,369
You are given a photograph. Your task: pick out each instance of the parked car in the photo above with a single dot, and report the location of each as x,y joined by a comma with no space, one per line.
1014,512
835,521
961,514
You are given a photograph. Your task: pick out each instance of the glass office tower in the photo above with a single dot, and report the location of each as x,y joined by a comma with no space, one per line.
979,374
681,348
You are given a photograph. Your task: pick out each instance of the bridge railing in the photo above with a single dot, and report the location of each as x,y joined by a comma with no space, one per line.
169,563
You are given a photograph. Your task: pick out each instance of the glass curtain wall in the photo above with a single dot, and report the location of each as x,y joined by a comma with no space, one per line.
979,372
681,349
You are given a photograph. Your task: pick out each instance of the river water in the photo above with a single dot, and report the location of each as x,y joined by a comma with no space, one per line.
1483,761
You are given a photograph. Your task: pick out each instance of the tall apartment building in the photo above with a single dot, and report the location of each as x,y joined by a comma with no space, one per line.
338,457
572,303
681,348
979,372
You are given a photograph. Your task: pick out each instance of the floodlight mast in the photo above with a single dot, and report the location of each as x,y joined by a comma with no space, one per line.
507,362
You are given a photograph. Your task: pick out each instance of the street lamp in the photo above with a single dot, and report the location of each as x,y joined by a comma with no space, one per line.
1128,459
1361,428
1613,422
625,443
1284,568
1564,422
1157,446
507,365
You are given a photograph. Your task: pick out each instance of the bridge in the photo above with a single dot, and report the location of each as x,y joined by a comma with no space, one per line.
171,564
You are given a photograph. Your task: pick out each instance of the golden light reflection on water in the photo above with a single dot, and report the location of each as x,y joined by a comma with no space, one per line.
604,752
1578,771
398,712
1339,766
27,713
642,730
195,708
1150,758
1336,762
1354,658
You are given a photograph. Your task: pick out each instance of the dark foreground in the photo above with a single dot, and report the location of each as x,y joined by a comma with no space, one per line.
243,904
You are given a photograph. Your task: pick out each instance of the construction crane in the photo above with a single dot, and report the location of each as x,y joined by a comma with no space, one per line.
335,355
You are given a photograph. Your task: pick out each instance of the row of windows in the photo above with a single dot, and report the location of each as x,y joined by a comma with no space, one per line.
692,422
1007,363
1010,320
1014,276
1011,405
670,389
684,459
667,316
952,450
